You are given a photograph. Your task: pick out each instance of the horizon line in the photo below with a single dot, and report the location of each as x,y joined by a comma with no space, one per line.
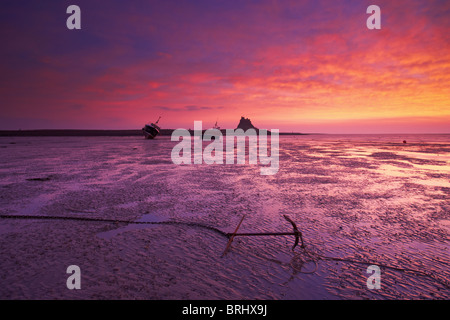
2,131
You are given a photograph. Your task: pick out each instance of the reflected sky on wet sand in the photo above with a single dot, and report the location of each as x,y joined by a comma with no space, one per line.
370,198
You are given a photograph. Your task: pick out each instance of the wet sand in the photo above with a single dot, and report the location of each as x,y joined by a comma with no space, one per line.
366,198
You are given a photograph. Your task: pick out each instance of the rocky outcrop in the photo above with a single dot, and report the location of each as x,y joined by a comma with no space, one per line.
246,124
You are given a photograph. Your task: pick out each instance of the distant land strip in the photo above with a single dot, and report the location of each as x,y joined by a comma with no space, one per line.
94,133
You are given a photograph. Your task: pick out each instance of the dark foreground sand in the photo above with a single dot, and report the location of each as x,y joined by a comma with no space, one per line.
367,198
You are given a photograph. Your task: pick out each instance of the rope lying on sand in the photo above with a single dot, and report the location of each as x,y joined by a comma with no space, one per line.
191,224
313,256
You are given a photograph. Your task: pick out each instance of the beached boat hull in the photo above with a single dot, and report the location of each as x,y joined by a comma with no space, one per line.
150,131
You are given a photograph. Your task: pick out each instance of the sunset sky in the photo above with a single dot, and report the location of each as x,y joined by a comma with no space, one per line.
305,66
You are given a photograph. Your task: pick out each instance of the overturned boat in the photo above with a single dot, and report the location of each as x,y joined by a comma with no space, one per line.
151,130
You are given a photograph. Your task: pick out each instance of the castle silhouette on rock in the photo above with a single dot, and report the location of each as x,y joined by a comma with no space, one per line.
245,124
